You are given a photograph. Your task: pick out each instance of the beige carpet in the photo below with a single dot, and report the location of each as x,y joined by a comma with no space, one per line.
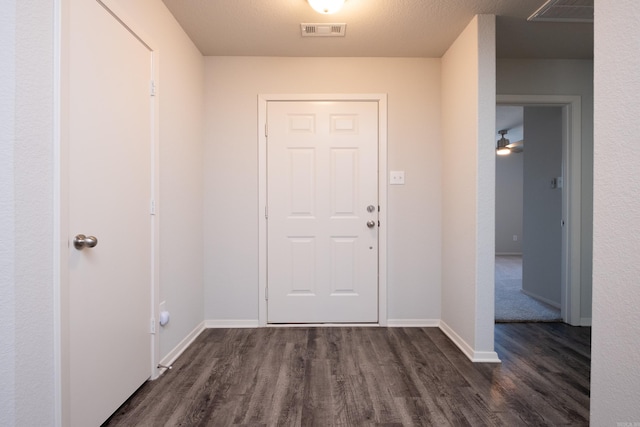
512,305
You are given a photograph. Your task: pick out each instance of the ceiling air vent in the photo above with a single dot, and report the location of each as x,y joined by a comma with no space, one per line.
323,30
564,11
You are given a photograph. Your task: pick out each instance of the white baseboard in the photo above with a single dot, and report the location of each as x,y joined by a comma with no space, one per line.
585,321
231,323
413,323
182,346
541,299
322,325
474,356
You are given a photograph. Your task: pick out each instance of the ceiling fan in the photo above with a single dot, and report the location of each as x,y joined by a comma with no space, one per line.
506,147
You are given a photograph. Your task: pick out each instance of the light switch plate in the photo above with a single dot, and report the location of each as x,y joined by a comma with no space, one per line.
396,178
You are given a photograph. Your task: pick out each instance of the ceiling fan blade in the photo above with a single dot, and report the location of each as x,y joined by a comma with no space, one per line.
516,147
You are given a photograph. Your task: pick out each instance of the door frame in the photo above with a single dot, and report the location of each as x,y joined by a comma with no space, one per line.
571,194
61,198
263,100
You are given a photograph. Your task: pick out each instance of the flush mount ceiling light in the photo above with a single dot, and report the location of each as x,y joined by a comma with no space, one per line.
502,148
326,6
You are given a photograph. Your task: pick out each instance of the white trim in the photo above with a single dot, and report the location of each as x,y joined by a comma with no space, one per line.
230,323
485,357
474,356
541,299
173,355
571,195
413,323
263,99
323,325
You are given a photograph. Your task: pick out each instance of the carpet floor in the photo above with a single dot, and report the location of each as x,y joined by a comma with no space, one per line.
511,304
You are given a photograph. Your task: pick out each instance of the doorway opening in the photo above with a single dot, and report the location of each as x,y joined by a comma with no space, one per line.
565,186
528,212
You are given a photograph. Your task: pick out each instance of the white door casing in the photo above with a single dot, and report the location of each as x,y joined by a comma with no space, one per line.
322,190
107,349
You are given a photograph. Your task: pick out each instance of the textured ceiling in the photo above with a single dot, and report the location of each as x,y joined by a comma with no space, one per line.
383,28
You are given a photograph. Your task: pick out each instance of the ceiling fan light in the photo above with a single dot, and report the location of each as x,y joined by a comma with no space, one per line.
326,6
502,148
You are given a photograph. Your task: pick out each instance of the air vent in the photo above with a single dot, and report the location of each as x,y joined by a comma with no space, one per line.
323,30
564,11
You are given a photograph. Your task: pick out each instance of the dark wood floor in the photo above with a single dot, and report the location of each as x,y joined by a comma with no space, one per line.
369,376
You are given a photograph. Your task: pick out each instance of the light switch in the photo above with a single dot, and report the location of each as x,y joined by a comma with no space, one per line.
396,178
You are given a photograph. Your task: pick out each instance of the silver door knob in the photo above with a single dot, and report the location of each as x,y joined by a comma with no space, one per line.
371,223
82,241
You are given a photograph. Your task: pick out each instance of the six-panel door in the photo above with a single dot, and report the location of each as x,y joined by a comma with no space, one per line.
322,192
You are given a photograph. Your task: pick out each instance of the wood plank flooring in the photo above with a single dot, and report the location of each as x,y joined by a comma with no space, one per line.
350,376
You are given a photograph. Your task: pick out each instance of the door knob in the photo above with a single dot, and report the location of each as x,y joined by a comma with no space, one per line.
371,223
82,241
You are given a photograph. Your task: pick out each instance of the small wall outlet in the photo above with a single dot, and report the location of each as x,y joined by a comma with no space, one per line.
396,178
515,237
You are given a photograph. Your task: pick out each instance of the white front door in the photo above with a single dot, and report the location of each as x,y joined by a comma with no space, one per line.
109,188
322,198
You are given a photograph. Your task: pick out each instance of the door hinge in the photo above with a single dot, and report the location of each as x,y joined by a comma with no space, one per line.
152,326
152,88
152,207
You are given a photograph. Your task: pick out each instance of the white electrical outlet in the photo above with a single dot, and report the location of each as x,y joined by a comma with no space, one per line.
396,178
515,237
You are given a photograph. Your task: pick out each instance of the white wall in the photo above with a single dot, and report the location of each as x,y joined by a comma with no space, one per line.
26,214
562,77
615,363
468,121
231,172
181,95
542,243
509,203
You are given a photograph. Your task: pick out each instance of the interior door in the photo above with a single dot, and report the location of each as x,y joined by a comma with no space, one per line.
109,182
322,225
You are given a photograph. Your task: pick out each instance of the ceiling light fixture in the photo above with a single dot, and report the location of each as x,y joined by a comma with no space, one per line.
502,148
326,6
